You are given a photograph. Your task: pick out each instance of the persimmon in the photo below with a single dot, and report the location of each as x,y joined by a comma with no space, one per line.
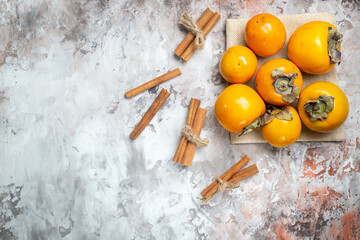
323,106
315,47
237,107
282,127
265,34
279,82
238,64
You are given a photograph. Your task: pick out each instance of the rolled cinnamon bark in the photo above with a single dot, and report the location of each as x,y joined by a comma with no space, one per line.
201,22
146,86
150,113
194,106
212,188
243,174
208,27
190,146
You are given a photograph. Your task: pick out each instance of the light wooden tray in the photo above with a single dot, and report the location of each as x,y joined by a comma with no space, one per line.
235,35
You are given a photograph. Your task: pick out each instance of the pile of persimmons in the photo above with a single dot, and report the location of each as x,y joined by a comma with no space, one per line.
313,48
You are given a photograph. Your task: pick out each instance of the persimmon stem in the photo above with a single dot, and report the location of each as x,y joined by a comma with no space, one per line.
271,113
284,85
318,109
334,41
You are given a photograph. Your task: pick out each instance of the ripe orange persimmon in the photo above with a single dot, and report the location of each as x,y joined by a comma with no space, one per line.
323,106
238,106
284,129
279,82
265,34
315,47
238,64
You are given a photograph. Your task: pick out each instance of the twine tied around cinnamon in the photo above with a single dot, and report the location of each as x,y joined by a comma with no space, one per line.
190,25
191,136
222,188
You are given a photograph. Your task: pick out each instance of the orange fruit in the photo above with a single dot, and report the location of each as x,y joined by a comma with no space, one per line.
308,47
265,34
280,132
238,64
238,106
323,106
279,90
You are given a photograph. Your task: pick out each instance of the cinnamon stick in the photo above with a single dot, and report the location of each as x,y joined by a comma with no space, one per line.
243,174
146,86
233,182
201,22
212,188
194,106
208,27
191,147
150,113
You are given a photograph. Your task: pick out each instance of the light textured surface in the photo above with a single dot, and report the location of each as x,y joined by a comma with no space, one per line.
69,169
235,35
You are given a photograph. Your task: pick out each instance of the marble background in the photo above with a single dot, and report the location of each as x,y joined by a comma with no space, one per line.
70,171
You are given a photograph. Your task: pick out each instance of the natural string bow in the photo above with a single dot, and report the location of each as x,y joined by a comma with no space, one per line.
190,25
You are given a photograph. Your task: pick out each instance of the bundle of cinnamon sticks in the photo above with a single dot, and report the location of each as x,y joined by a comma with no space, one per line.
186,149
206,22
231,177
